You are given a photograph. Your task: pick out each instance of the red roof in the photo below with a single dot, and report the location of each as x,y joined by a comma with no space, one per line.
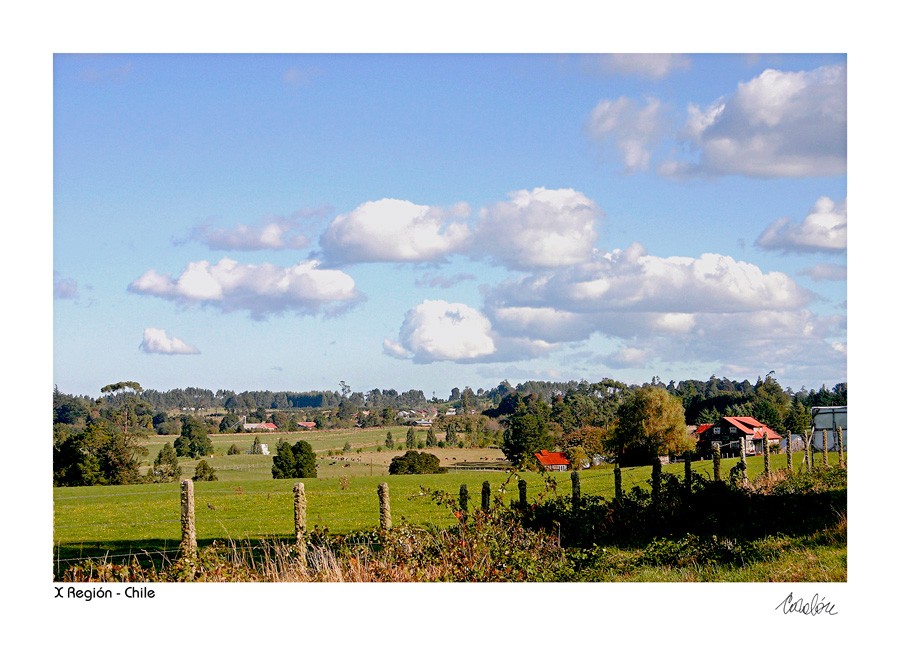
307,425
702,428
547,458
750,426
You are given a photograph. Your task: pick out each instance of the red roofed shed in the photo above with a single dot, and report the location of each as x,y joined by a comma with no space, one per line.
552,461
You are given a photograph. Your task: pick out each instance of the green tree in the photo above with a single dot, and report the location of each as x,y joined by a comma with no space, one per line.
99,454
204,472
799,418
528,432
193,441
125,406
256,447
649,423
165,467
411,438
389,441
430,437
294,461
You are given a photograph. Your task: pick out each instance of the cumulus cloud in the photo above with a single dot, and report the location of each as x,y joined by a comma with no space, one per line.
279,233
156,341
396,230
651,66
260,289
824,229
632,280
63,287
779,124
436,330
441,281
635,129
542,228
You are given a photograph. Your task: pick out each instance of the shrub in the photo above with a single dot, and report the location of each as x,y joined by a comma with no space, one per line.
204,472
233,449
165,468
416,462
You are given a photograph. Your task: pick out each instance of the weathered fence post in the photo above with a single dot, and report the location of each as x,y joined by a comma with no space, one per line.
384,500
188,526
840,444
617,475
790,457
300,519
765,444
523,493
825,448
687,472
807,452
717,461
576,489
486,496
744,460
655,479
463,499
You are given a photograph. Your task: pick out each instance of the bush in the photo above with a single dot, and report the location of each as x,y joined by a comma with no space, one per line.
204,472
165,468
233,450
416,462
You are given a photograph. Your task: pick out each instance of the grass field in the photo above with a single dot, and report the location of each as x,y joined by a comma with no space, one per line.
246,504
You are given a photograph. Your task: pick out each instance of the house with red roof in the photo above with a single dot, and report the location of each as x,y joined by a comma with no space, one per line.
259,426
552,461
730,432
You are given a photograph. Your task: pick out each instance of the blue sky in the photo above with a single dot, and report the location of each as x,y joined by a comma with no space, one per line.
437,221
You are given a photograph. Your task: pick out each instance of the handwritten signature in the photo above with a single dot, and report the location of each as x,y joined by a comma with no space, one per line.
811,608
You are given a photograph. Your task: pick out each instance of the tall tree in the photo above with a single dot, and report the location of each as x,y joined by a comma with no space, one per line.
649,423
528,431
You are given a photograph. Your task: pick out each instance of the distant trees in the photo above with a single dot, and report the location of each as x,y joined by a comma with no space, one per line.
294,461
99,454
193,441
411,438
416,462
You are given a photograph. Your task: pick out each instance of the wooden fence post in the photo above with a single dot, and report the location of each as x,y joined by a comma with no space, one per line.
576,489
188,526
384,500
523,493
790,457
743,460
765,444
825,448
717,461
486,496
840,444
617,475
463,500
807,443
300,518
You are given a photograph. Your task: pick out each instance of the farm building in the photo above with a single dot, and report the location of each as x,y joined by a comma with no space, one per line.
552,461
729,431
309,426
259,426
829,418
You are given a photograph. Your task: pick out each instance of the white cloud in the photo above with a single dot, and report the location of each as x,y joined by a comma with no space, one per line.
826,272
436,330
627,357
824,229
261,289
635,130
542,228
396,230
272,235
652,66
632,280
157,342
779,124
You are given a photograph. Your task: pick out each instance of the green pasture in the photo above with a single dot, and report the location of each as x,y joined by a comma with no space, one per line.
246,504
